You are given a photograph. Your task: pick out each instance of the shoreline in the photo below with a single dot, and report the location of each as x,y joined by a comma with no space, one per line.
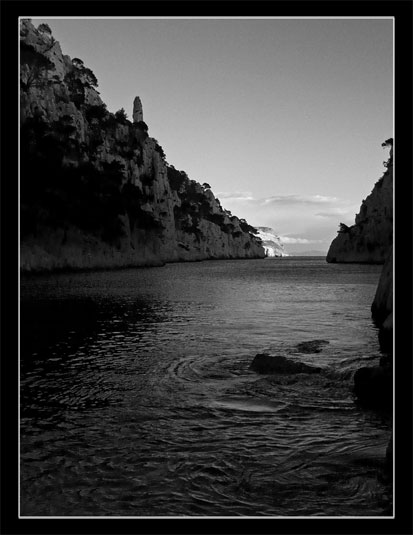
73,269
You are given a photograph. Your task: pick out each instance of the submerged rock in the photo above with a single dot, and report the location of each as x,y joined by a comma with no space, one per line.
264,363
313,346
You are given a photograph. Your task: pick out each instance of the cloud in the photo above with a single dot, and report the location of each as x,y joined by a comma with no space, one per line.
300,199
236,195
301,220
279,200
289,240
335,212
331,215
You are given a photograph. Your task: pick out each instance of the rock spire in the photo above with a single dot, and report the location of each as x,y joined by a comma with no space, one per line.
137,110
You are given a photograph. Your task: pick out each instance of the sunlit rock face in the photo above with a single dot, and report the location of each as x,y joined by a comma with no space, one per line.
271,242
370,238
96,190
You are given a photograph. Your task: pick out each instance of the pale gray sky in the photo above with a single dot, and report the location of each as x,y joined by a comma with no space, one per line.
283,118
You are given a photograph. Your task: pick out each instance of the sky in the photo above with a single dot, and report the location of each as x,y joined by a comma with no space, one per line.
284,118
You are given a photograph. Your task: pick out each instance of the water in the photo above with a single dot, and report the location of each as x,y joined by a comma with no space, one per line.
137,397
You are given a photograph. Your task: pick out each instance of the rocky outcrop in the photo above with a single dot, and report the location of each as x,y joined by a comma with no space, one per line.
382,307
373,386
312,346
277,364
137,110
96,190
271,242
369,239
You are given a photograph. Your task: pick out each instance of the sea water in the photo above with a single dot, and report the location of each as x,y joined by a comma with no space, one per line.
137,397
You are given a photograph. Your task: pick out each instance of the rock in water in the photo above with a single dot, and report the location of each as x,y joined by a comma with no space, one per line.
374,386
313,346
264,363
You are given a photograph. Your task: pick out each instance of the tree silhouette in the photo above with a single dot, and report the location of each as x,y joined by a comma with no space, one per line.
343,228
38,65
45,28
121,116
77,63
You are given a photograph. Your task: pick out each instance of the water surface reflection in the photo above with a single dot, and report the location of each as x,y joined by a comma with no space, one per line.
137,396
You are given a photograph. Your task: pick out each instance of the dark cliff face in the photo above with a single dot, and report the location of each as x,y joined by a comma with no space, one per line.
382,307
373,385
95,189
370,238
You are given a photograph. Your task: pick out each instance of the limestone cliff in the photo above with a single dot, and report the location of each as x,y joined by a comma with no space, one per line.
271,242
95,189
369,239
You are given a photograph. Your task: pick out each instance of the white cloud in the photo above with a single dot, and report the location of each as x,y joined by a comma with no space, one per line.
289,240
235,195
301,220
299,199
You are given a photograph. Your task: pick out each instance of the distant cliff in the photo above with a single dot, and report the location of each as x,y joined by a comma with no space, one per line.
370,238
95,189
271,242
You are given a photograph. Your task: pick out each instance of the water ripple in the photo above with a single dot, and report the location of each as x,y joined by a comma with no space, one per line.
137,396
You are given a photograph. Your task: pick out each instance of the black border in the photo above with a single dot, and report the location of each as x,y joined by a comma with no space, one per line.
402,11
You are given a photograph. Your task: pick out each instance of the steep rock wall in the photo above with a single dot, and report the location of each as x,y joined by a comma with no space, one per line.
369,239
96,191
